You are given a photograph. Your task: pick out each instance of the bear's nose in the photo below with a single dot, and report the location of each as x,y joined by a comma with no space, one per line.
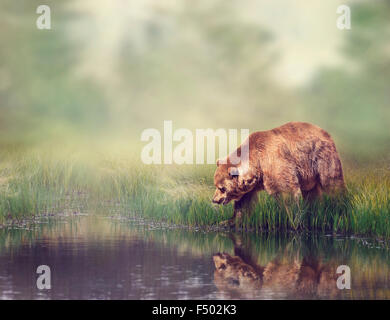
217,201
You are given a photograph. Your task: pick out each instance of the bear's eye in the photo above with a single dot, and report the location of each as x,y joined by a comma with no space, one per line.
222,189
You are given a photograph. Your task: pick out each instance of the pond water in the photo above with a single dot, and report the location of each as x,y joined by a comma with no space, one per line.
93,257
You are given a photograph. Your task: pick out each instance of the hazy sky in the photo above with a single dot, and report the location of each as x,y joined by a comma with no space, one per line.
305,32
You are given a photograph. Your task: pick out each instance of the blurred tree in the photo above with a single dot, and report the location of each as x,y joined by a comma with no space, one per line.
353,100
203,65
39,93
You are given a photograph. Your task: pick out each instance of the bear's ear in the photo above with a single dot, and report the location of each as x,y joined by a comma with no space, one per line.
219,161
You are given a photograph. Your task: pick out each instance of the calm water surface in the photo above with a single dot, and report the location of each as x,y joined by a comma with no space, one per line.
100,258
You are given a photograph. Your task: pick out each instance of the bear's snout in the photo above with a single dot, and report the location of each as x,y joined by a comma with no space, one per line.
218,197
217,201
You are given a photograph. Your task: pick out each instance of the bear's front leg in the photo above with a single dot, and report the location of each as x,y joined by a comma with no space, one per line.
241,207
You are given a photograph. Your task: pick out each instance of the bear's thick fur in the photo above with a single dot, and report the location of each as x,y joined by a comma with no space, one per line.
297,158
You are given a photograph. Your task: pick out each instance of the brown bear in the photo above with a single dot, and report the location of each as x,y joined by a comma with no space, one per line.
297,158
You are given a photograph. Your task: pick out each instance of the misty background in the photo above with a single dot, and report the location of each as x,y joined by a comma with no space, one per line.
108,70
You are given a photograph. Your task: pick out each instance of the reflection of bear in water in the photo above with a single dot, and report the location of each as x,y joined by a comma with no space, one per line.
239,277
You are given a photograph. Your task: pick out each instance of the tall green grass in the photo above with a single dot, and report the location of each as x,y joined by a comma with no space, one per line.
36,183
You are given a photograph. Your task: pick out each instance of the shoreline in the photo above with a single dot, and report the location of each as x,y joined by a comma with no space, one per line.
372,242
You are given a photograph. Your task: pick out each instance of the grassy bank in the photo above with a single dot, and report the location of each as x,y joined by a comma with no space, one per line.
53,181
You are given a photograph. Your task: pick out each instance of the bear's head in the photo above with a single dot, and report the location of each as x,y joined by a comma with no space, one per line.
232,182
231,272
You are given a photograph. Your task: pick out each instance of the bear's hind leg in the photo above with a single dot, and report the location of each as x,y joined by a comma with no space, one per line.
313,194
331,175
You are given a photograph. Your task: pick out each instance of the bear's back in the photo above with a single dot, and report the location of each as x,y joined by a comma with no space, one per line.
290,133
